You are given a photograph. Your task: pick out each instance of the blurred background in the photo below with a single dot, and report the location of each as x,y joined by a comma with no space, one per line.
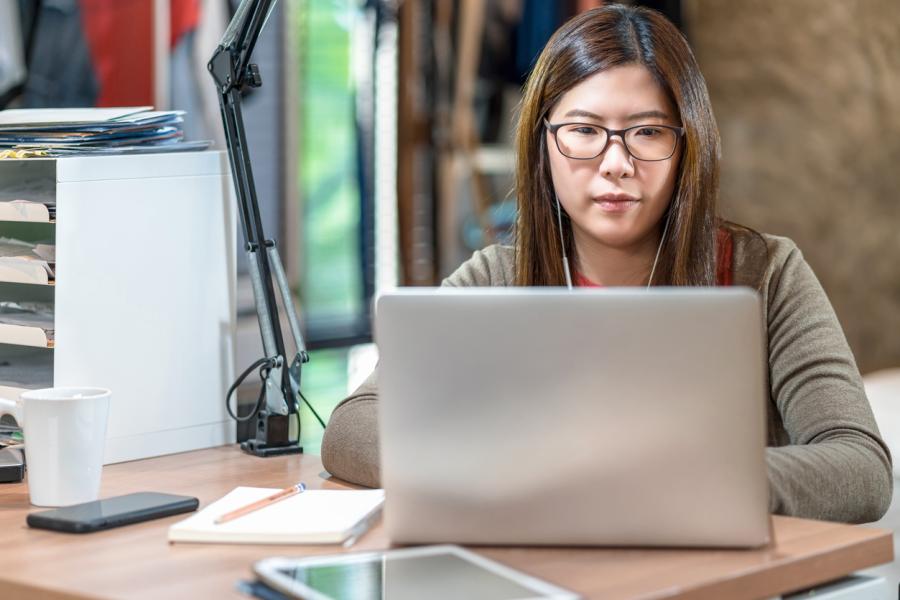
381,138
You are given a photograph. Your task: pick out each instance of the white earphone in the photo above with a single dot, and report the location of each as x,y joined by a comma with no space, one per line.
562,243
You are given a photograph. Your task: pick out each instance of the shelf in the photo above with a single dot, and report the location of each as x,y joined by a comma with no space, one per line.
23,367
26,292
18,211
24,270
27,252
116,274
28,191
20,335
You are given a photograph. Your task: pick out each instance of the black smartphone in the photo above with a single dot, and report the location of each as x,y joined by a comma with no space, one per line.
112,512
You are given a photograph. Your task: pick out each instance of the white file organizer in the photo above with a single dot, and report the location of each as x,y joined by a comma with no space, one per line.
144,298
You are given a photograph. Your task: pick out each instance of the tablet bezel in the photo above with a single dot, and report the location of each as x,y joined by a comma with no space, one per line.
268,570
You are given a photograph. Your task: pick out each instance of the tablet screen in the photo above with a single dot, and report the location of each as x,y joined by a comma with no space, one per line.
408,574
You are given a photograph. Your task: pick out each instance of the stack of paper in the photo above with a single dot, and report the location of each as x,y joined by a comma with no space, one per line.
25,262
27,323
27,210
311,517
60,132
28,199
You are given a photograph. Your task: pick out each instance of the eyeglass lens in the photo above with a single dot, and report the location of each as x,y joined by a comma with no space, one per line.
644,142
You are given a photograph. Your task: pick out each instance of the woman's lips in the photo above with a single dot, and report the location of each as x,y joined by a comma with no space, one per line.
616,203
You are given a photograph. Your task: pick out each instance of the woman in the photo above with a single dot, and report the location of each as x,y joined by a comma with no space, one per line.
617,182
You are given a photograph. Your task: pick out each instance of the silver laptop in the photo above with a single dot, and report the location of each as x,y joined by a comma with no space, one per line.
593,417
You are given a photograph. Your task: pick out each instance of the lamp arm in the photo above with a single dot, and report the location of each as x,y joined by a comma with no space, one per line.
233,73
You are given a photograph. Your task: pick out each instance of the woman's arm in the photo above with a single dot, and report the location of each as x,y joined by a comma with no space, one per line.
350,443
836,467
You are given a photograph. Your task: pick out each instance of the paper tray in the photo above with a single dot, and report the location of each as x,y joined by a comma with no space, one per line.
20,335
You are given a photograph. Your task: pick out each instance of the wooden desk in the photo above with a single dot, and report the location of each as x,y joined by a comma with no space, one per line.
137,562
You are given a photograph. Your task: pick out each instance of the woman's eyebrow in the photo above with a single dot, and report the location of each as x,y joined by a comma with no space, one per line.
577,112
647,114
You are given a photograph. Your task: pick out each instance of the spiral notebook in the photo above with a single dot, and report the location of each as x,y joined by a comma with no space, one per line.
312,517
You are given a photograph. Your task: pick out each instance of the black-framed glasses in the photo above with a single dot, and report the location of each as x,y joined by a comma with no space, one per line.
584,141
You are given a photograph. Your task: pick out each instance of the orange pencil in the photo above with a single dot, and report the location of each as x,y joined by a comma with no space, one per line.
276,497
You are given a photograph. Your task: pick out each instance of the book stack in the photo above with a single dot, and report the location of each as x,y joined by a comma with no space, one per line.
28,133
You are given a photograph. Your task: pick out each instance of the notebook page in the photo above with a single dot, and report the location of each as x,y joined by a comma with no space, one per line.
314,516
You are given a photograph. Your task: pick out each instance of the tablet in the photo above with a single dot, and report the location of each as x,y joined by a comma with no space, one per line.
433,572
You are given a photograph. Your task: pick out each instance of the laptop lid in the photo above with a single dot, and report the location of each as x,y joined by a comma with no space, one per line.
593,417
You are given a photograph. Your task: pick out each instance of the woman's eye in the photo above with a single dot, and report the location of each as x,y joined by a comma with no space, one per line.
648,131
585,130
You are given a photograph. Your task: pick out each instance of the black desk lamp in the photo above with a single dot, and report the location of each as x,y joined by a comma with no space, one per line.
279,397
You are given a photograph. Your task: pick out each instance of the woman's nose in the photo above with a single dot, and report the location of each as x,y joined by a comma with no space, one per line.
616,161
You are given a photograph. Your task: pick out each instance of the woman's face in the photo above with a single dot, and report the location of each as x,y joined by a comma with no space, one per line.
614,200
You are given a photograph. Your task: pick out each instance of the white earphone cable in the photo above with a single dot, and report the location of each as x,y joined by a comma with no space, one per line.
562,243
566,258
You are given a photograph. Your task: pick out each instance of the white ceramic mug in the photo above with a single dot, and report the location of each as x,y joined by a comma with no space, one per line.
65,436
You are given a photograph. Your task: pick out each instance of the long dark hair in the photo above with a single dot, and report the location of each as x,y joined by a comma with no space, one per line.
591,42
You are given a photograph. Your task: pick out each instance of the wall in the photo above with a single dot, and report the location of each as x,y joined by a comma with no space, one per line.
807,96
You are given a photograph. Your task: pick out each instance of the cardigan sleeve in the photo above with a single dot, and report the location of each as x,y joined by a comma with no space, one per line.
350,445
836,466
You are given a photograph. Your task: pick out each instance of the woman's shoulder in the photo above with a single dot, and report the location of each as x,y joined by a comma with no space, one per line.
759,256
494,265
